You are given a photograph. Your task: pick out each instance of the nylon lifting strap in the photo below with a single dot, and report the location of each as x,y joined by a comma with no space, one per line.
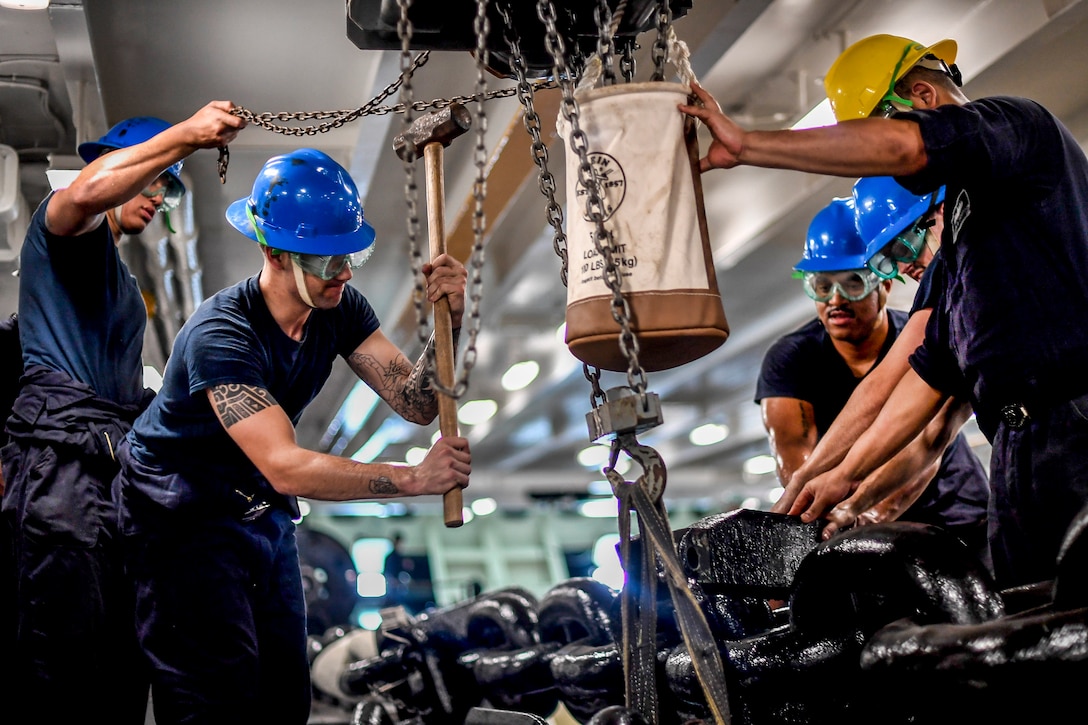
658,545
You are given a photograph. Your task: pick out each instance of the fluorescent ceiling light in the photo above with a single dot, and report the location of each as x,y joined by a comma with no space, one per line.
484,506
600,508
759,465
599,488
475,412
25,4
709,434
415,455
594,456
519,375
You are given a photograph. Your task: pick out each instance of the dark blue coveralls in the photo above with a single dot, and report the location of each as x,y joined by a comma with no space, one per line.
81,325
209,543
1012,330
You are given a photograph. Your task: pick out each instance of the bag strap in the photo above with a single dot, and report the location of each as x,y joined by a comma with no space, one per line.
679,55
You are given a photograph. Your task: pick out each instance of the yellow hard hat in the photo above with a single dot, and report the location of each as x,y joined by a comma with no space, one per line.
866,71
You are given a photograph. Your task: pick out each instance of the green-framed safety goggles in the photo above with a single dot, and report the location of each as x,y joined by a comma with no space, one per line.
853,285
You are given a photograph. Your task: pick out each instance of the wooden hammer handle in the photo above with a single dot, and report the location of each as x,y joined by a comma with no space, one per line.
452,504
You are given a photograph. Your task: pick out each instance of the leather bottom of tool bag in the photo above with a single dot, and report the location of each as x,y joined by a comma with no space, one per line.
673,327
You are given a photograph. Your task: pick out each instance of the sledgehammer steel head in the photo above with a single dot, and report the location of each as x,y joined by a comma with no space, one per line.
441,126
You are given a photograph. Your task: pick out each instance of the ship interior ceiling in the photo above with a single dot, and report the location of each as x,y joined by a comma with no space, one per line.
70,71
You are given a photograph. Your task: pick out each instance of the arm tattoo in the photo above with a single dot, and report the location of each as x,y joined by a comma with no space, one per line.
418,390
383,485
234,402
395,383
806,424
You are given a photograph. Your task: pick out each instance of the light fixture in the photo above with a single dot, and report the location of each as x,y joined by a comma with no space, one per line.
475,412
598,508
519,375
708,434
760,465
25,4
594,456
484,506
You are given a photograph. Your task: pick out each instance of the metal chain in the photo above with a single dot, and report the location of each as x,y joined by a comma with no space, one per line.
411,188
627,60
660,51
553,211
481,26
373,107
602,15
602,238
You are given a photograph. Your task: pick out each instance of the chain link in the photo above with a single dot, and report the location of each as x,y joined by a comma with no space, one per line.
411,188
273,121
474,294
627,60
531,119
660,51
602,15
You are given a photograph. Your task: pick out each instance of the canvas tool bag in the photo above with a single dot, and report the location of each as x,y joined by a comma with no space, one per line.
645,157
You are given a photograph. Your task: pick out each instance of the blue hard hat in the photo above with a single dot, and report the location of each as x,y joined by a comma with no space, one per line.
127,133
304,202
833,243
884,209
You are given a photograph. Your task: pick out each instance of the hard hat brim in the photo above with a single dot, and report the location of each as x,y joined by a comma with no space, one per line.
828,265
913,214
91,150
349,243
944,49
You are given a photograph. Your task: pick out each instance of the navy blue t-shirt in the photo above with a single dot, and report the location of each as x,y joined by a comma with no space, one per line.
81,311
1015,248
931,286
804,364
232,339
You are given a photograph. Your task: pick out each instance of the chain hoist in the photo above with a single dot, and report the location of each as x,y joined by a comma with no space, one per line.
473,292
623,413
602,238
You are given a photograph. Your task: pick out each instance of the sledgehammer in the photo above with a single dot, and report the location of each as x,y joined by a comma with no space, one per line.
432,133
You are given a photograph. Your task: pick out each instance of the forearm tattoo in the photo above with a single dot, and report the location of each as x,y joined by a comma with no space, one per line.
398,383
806,424
234,403
384,486
418,389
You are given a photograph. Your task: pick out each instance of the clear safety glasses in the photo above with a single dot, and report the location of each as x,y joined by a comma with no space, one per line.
892,103
325,266
330,266
853,285
168,189
904,248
